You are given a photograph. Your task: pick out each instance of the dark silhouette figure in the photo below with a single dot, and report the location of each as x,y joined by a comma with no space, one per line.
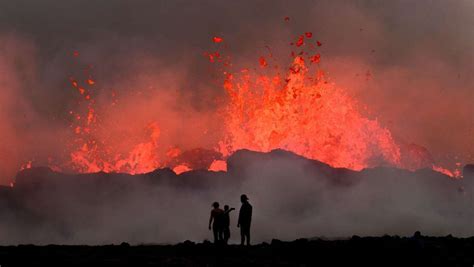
226,223
245,219
217,219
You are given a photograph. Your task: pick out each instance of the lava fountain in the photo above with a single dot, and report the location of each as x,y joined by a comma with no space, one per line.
295,108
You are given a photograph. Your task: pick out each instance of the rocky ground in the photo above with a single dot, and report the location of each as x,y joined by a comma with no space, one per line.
380,251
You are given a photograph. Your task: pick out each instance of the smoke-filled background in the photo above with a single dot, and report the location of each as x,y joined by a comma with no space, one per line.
409,62
292,197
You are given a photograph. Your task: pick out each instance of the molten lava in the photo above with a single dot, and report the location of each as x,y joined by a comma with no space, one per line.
269,107
300,111
297,109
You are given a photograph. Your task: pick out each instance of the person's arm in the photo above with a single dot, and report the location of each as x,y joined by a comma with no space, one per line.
228,211
210,220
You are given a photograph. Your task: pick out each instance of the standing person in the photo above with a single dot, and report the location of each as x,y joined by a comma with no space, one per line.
226,223
245,218
216,219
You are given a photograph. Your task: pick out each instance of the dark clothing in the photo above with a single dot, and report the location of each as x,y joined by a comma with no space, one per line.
245,214
226,233
245,233
226,225
217,217
245,220
226,219
218,235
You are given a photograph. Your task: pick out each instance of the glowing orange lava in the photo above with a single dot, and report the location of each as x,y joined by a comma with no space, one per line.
300,111
294,108
297,109
218,165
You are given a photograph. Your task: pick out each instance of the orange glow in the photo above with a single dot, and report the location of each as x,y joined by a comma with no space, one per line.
173,152
92,157
443,171
300,41
213,56
26,165
456,173
180,169
74,83
218,165
217,39
315,59
295,107
263,62
301,112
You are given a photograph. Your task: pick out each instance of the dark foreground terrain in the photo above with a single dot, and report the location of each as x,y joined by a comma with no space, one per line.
374,251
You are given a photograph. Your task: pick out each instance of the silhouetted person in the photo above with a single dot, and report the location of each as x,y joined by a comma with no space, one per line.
418,241
245,219
226,223
217,219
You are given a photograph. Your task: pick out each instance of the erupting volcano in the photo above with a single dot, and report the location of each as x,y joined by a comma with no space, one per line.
266,106
299,110
239,122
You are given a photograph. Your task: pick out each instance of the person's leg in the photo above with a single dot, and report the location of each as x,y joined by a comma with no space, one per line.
246,231
226,235
216,234
221,235
242,235
248,236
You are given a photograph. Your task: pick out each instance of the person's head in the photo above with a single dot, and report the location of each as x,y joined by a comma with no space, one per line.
226,207
244,198
417,234
215,205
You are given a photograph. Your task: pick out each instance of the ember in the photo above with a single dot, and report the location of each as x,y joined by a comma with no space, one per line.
298,110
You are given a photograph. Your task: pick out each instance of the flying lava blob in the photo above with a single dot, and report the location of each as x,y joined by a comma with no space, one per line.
267,106
299,110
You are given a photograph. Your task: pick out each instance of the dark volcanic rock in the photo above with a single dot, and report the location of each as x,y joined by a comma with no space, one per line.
360,251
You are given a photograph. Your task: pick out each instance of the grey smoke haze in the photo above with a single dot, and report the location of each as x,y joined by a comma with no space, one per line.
293,197
420,56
